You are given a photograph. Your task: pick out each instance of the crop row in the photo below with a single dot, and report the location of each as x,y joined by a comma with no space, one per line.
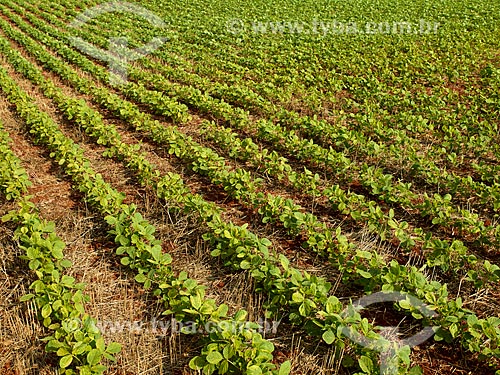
437,252
229,349
57,297
441,251
240,92
237,183
393,276
438,207
265,267
251,252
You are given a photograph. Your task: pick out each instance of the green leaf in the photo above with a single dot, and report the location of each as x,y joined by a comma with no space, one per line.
140,278
196,363
46,311
417,370
114,347
26,297
57,249
405,304
245,265
65,361
214,357
254,370
79,348
66,263
156,252
61,352
265,242
94,356
285,368
223,367
328,336
52,346
366,364
100,345
125,261
196,301
364,274
284,261
97,369
109,356
228,351
297,297
404,354
240,316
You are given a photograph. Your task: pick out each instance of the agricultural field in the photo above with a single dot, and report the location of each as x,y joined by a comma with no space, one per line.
268,187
